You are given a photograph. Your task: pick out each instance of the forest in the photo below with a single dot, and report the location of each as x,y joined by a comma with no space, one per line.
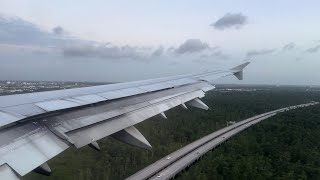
283,147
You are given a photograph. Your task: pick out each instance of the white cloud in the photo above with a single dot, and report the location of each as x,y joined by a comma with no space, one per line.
230,20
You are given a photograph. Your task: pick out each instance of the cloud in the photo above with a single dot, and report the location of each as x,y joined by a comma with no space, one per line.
221,55
259,52
313,49
218,55
192,46
113,52
230,20
158,52
58,30
12,48
17,34
18,31
289,47
108,51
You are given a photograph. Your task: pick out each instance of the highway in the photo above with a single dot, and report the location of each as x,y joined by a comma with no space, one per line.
169,166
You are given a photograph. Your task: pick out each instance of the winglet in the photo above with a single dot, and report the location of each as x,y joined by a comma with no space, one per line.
238,70
240,67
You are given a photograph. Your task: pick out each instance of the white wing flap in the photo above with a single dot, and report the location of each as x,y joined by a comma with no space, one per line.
92,133
28,146
213,77
55,105
122,93
7,173
92,98
89,116
157,86
8,118
182,81
26,109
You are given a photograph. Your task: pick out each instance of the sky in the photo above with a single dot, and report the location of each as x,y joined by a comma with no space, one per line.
116,41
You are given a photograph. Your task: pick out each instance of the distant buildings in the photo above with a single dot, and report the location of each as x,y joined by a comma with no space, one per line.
17,87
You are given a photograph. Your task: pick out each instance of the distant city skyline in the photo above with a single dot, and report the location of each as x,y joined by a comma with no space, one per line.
113,41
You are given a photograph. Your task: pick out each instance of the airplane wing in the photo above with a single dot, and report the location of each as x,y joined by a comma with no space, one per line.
36,127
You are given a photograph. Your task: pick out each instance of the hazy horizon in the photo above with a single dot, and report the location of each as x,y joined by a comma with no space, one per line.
118,41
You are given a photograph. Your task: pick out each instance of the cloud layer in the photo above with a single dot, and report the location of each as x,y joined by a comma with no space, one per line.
254,53
107,51
191,47
230,20
18,31
313,49
17,34
289,47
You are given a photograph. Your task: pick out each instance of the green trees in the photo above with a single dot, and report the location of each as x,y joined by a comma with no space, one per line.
283,147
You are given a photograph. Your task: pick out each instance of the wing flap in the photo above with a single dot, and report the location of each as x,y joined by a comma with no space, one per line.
55,105
182,81
155,87
27,146
87,116
213,77
92,98
84,136
7,173
8,118
122,93
25,109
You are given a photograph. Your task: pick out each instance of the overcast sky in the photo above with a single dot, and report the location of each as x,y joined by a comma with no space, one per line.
130,40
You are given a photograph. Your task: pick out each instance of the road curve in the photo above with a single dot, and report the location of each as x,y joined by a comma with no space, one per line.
172,164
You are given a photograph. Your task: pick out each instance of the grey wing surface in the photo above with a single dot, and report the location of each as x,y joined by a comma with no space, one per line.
36,127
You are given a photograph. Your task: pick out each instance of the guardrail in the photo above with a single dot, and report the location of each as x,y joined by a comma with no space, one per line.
172,164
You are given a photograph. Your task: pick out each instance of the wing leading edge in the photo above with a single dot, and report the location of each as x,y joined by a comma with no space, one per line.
35,127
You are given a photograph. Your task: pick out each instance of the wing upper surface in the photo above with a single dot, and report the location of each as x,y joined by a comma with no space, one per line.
35,127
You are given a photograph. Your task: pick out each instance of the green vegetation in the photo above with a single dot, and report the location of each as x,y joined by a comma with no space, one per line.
283,147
